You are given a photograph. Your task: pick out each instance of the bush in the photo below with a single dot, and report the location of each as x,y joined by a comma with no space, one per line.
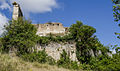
66,62
20,35
45,40
35,56
104,63
50,60
39,56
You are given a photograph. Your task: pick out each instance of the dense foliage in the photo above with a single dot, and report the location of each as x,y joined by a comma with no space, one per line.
20,35
116,14
116,10
39,56
66,62
85,41
44,40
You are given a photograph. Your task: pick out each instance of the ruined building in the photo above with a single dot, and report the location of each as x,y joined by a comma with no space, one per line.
53,49
42,29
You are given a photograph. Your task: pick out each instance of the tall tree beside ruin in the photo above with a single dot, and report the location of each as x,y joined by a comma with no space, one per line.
21,35
85,41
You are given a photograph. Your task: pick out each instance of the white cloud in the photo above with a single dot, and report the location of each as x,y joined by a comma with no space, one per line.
4,5
30,6
36,6
3,21
27,6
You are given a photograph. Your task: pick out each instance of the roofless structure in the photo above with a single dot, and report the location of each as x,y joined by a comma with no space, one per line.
42,29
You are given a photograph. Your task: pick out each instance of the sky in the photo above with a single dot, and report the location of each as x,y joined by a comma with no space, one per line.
95,13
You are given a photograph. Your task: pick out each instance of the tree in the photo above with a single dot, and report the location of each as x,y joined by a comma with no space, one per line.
116,14
85,40
116,10
74,29
20,34
85,43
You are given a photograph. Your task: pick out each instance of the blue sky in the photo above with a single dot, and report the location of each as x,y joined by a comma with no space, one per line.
95,13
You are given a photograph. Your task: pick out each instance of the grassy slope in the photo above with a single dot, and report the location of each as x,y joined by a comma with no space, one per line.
8,63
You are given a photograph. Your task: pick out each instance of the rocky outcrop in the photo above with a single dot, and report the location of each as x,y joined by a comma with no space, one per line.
55,49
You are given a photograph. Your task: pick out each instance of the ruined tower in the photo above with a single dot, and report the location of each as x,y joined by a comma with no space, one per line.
16,11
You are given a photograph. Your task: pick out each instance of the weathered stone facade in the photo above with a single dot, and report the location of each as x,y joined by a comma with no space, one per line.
42,29
55,49
53,28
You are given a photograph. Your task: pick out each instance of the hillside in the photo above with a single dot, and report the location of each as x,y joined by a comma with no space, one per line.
8,63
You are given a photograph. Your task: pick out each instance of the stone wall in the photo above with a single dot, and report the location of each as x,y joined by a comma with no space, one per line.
42,29
55,49
53,28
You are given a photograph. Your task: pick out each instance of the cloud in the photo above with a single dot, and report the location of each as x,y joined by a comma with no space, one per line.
27,6
36,6
4,5
30,6
3,21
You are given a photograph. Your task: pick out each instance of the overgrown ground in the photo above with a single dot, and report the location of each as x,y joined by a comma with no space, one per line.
9,63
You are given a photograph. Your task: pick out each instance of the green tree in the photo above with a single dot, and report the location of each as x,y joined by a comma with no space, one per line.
116,10
74,30
85,41
20,34
116,14
66,62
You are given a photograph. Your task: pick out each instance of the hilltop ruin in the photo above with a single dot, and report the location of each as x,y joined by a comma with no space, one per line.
42,29
53,49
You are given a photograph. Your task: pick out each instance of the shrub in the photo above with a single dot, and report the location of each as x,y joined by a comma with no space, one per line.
45,40
39,56
50,60
21,35
66,62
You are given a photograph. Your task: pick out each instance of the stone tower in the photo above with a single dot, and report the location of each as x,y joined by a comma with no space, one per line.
16,11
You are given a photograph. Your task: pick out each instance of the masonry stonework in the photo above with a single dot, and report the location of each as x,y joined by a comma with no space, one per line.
50,28
42,29
53,49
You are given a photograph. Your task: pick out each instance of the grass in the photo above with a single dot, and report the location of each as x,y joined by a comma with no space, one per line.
14,63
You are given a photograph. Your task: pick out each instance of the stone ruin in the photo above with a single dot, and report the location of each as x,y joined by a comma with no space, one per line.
53,49
42,29
17,12
51,28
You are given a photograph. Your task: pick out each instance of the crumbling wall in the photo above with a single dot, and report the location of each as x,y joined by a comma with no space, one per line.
42,29
55,49
53,28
